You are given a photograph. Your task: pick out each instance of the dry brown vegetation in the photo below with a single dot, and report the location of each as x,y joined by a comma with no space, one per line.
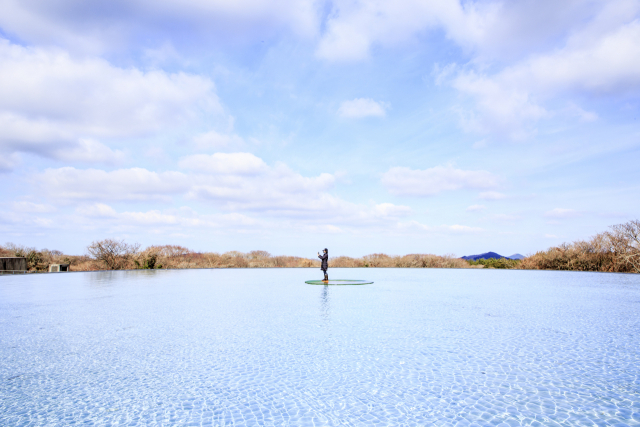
617,250
112,254
406,261
39,260
170,256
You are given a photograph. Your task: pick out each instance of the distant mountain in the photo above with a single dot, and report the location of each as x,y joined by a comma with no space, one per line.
485,255
488,255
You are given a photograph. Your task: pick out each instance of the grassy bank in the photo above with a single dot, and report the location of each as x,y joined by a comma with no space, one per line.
616,250
111,254
496,263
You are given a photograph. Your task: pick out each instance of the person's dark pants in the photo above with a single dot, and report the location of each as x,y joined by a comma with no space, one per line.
326,277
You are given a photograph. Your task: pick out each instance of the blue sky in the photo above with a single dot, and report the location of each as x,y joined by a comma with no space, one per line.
289,126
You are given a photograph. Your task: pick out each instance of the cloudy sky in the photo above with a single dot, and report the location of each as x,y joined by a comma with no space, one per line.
409,126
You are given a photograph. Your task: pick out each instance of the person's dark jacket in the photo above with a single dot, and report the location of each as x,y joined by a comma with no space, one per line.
325,261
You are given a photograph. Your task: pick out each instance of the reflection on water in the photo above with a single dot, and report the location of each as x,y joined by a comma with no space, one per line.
261,347
104,278
324,302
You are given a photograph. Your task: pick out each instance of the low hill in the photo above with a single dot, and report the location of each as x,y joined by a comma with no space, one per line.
516,256
486,255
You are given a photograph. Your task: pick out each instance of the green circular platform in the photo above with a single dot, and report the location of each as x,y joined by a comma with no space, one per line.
338,282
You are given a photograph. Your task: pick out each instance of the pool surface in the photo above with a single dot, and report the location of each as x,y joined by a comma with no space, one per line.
418,347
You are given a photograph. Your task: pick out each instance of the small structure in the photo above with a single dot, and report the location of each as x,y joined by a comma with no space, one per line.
57,268
13,265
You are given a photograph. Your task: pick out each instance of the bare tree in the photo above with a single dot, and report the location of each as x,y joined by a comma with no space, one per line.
169,251
258,255
115,254
628,243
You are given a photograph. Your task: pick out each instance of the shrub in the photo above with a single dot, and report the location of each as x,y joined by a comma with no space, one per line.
617,250
496,263
405,261
625,243
114,254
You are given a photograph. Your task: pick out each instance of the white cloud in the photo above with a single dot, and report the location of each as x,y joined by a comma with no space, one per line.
463,228
232,182
489,31
598,60
478,145
441,229
491,195
30,207
349,218
353,28
561,50
498,107
325,229
8,161
152,218
121,184
94,29
343,43
608,64
361,107
95,96
561,213
91,151
276,189
169,221
583,115
244,181
97,210
225,163
406,181
506,217
476,208
214,140
27,218
391,210
58,106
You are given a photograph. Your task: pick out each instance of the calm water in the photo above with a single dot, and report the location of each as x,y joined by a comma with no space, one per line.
260,347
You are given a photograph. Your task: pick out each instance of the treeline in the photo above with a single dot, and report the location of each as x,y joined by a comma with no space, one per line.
617,250
406,261
113,254
496,263
39,260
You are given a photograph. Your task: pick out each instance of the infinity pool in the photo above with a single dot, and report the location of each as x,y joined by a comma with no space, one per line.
260,347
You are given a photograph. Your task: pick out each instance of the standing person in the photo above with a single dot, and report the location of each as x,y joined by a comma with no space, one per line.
325,263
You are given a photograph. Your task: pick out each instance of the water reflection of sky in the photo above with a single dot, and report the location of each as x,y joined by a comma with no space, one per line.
243,347
324,302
